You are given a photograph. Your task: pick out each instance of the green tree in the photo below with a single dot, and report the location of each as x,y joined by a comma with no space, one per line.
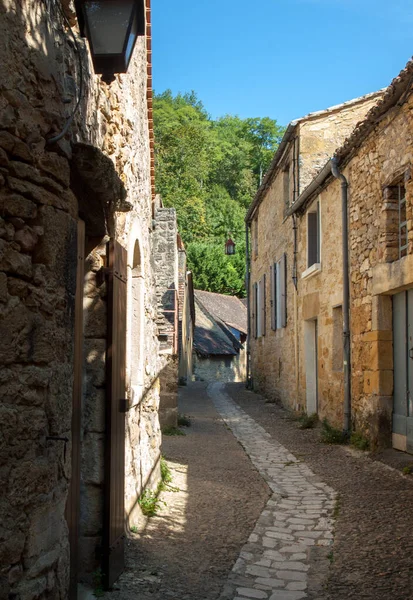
209,170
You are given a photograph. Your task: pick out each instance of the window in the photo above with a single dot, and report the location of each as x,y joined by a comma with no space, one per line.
261,312
338,338
403,243
278,300
313,236
254,310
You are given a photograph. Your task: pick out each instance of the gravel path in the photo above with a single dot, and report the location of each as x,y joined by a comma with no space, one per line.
373,549
187,551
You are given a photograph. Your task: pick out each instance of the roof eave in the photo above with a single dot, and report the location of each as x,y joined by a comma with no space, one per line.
268,177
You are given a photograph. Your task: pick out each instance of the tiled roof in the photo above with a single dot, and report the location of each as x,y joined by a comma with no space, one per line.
211,337
228,309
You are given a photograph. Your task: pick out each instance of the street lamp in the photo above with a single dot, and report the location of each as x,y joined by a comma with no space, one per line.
111,27
229,246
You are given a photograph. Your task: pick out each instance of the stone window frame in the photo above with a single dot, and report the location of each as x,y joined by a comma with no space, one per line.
396,214
314,266
403,248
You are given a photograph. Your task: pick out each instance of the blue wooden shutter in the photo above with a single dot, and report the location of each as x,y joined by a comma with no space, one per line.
273,302
263,303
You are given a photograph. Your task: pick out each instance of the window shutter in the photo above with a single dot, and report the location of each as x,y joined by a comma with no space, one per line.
254,310
277,295
263,313
312,238
318,233
283,290
273,297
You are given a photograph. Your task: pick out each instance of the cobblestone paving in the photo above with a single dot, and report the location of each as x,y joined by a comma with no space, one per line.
276,562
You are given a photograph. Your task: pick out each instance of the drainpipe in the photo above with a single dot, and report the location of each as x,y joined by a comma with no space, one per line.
247,285
346,295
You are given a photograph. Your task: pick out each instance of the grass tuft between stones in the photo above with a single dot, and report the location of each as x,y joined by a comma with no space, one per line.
359,441
307,421
331,435
171,430
184,421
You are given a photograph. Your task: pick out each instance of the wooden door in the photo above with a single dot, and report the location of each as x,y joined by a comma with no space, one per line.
73,499
114,513
403,371
311,368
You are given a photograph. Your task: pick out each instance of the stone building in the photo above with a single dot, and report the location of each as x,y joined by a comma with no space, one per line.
375,160
176,317
80,362
295,283
219,338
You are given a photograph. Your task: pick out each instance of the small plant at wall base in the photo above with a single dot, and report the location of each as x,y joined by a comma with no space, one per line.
184,421
331,435
149,502
359,441
166,474
171,430
307,421
98,583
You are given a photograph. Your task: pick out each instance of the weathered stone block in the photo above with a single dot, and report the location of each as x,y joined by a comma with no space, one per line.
15,147
378,382
11,261
91,513
95,352
93,449
15,205
57,166
47,526
3,288
37,193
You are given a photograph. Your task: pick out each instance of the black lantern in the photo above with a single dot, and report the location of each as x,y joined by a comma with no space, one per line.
111,27
229,246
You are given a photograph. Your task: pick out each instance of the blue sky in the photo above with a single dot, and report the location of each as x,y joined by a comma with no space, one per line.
279,58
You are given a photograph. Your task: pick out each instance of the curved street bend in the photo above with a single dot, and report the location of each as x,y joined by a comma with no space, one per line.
260,509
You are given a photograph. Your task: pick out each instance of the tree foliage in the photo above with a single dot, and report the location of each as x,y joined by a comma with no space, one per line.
209,170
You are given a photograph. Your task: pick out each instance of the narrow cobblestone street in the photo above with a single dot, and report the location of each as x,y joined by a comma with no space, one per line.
265,511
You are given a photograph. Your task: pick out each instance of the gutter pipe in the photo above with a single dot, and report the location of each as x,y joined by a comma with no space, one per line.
346,295
248,383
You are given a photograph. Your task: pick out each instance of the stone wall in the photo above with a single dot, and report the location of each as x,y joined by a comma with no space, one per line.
43,190
383,158
165,252
372,168
320,294
322,133
220,368
186,324
278,358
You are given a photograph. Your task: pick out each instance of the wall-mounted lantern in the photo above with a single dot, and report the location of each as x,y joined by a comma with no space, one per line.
229,246
111,27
